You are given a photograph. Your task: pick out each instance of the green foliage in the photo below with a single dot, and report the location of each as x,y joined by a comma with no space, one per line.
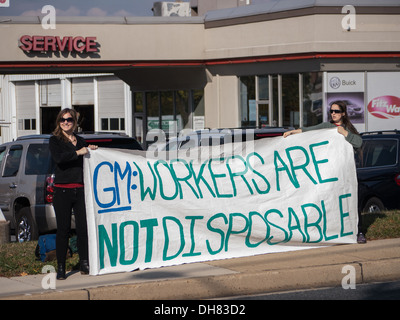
383,225
18,259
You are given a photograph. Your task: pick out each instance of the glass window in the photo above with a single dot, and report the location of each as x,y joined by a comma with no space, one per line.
275,100
2,154
37,159
27,124
104,123
114,123
153,110
377,153
248,101
198,110
262,101
198,102
290,100
12,162
139,134
168,123
263,88
152,104
182,109
278,96
312,98
177,110
138,101
263,120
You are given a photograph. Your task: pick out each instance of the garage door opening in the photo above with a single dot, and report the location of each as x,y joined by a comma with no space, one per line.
48,119
85,118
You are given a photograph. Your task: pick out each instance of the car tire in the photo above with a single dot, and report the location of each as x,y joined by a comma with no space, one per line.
373,205
26,229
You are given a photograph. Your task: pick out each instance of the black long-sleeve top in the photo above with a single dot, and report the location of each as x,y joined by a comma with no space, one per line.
69,166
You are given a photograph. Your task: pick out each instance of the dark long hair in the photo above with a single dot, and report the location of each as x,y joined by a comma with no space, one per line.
346,121
58,132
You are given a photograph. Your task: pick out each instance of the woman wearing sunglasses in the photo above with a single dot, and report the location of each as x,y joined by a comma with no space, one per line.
67,149
340,120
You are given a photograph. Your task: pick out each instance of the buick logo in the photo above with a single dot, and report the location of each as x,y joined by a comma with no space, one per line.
334,83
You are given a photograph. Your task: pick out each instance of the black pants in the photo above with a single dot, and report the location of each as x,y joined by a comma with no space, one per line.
360,223
65,200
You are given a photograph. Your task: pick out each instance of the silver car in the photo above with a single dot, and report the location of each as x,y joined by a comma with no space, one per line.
26,187
26,181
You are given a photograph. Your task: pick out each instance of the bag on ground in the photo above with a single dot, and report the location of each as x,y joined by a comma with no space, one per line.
46,247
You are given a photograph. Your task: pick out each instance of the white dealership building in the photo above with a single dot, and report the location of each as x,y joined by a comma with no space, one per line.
275,64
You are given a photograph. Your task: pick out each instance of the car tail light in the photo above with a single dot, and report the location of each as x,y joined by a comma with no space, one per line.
49,191
397,179
263,135
98,140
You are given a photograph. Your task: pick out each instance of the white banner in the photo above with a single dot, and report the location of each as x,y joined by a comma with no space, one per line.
279,194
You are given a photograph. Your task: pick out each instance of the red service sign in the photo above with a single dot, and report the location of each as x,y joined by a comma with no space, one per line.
56,43
385,107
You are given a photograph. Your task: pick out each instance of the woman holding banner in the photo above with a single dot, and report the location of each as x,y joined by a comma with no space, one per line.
344,126
67,149
340,120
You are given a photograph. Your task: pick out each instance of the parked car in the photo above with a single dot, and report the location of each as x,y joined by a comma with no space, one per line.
378,171
26,181
220,136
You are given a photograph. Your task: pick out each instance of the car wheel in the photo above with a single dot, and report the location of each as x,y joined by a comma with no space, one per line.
26,227
374,205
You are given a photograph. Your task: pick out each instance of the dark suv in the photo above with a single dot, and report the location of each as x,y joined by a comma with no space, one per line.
26,181
378,171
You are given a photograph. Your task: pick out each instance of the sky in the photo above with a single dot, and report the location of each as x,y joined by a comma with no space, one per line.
99,8
71,8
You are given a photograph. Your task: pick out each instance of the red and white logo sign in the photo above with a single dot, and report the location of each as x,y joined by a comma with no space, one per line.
4,3
385,107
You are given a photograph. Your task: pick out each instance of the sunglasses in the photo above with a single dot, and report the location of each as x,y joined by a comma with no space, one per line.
69,120
335,111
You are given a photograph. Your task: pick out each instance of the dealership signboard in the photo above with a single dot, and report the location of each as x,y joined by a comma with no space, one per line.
348,86
373,98
55,43
4,3
383,100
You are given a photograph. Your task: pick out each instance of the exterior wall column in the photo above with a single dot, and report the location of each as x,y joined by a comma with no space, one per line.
222,102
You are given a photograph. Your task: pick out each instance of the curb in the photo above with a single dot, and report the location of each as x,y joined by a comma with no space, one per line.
376,261
223,286
239,284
